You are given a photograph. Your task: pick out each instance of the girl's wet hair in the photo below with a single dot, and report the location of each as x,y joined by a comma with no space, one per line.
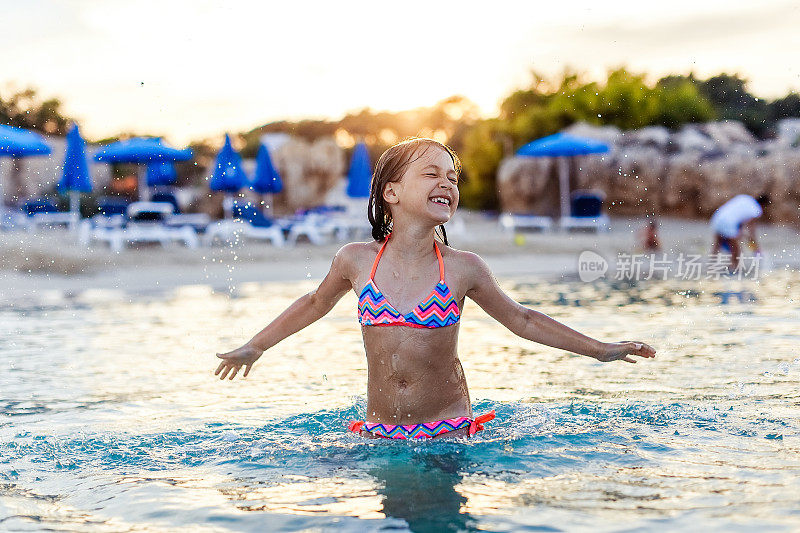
391,166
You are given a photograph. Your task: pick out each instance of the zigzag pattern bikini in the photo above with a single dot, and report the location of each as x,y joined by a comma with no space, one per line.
438,310
425,430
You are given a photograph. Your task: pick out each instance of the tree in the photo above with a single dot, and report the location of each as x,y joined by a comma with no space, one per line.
729,95
786,107
23,109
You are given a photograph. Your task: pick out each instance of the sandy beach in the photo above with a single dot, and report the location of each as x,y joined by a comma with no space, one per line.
34,264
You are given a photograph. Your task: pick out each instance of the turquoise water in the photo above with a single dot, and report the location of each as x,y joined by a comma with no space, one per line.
111,419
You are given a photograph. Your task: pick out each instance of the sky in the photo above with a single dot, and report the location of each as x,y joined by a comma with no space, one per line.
194,69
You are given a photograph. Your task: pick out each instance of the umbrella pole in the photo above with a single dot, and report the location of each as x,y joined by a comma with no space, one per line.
563,186
143,192
227,207
74,209
268,204
2,194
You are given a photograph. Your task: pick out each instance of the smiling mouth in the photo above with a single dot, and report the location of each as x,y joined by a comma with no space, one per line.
440,200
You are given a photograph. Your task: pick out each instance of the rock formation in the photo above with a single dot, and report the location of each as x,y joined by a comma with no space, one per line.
687,173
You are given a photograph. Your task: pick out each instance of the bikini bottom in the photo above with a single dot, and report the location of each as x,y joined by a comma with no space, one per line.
425,430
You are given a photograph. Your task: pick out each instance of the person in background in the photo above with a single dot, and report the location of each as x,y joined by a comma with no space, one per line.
650,241
736,219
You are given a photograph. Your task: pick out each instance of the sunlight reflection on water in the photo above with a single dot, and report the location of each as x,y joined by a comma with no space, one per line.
111,419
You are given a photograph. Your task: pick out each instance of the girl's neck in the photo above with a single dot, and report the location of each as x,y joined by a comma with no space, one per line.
414,242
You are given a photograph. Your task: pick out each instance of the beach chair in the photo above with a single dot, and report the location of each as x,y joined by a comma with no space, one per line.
345,221
317,227
514,222
11,219
111,207
248,221
43,212
167,198
586,211
198,221
143,222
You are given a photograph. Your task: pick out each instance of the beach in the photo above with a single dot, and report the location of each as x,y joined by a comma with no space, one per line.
33,265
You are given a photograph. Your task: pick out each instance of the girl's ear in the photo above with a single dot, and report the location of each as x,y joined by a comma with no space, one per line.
390,194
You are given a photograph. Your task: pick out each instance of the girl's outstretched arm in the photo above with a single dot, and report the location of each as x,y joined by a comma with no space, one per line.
304,311
538,327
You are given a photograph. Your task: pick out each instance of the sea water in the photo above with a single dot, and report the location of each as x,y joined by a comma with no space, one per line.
111,418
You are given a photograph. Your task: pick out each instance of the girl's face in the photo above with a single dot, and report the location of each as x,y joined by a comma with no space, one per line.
428,189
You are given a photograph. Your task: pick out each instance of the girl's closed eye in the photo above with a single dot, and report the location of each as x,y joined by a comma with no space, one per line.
453,180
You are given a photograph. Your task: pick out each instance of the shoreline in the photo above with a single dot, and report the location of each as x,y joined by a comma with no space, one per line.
35,265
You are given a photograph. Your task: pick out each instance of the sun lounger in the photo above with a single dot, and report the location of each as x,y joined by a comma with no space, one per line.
12,219
513,222
198,221
318,228
586,211
43,212
144,222
248,221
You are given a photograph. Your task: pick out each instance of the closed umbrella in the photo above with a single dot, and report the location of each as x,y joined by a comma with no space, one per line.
359,174
267,180
75,177
141,150
16,142
228,175
563,145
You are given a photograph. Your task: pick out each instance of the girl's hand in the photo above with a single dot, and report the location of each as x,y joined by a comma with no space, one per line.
246,355
621,350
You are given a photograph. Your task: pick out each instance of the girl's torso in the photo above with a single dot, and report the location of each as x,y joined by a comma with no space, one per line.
414,374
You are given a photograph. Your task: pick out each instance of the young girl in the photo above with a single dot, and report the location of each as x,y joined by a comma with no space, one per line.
411,290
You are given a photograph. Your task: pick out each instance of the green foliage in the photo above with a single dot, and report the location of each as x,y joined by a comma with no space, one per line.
729,96
681,103
24,109
625,100
481,153
788,106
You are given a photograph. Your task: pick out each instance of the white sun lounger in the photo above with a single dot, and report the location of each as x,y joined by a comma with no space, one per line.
512,222
586,211
117,233
317,228
228,230
599,223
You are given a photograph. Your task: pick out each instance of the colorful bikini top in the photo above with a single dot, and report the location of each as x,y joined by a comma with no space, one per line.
436,311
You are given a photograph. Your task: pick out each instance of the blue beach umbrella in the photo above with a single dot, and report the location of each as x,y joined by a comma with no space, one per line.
141,150
75,177
267,180
162,173
16,142
229,175
360,173
563,145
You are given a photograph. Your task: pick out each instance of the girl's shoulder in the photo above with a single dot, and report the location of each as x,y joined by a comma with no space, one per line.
461,260
455,254
356,250
353,254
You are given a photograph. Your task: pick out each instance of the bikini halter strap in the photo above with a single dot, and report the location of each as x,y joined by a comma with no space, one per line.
380,253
